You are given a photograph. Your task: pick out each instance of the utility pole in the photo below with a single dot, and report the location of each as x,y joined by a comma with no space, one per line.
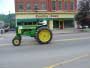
9,19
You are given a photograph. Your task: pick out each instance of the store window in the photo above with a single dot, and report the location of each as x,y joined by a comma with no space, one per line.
43,6
60,5
66,5
53,5
28,6
71,5
20,6
36,6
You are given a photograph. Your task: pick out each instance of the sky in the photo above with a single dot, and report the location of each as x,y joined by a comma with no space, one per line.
6,6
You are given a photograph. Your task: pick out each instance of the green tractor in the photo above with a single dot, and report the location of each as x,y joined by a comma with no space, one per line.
39,31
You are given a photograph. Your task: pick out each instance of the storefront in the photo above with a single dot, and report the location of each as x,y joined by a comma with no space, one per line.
55,20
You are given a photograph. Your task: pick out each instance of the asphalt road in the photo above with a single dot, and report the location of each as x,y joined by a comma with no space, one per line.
65,51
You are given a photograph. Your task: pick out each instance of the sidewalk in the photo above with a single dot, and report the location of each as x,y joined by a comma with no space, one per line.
64,31
69,31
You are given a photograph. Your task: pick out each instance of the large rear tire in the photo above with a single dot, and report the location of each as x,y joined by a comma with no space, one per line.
44,35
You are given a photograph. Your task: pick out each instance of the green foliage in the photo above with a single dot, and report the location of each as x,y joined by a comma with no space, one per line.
8,19
2,17
83,10
80,15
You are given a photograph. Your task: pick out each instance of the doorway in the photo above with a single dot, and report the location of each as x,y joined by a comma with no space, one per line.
58,24
61,24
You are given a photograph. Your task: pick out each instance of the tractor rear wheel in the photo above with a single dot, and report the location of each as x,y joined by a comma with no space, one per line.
44,35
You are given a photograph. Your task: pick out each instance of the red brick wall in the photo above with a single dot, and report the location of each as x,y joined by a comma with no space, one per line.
48,3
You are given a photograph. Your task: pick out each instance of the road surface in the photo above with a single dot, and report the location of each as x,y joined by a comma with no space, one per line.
65,51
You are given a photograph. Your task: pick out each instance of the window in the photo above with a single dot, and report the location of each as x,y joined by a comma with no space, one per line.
43,6
66,5
71,5
20,6
28,6
36,6
60,5
53,5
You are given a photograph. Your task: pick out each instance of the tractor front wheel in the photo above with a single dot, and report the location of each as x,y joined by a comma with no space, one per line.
16,41
44,35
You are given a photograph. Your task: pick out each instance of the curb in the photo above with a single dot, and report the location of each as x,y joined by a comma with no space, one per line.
63,32
70,32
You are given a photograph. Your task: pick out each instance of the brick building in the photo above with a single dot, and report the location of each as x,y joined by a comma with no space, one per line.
57,13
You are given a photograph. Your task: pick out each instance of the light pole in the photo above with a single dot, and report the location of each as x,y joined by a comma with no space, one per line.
9,19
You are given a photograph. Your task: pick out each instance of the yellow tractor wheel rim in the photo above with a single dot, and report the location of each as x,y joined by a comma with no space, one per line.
44,35
16,42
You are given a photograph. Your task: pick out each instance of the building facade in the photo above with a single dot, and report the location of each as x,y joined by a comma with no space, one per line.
58,13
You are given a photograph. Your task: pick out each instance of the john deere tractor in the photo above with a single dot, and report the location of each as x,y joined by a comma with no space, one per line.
39,31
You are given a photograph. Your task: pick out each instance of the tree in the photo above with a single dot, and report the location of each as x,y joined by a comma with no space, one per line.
84,5
8,19
83,15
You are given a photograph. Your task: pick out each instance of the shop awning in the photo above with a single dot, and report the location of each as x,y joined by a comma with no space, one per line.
41,19
32,20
